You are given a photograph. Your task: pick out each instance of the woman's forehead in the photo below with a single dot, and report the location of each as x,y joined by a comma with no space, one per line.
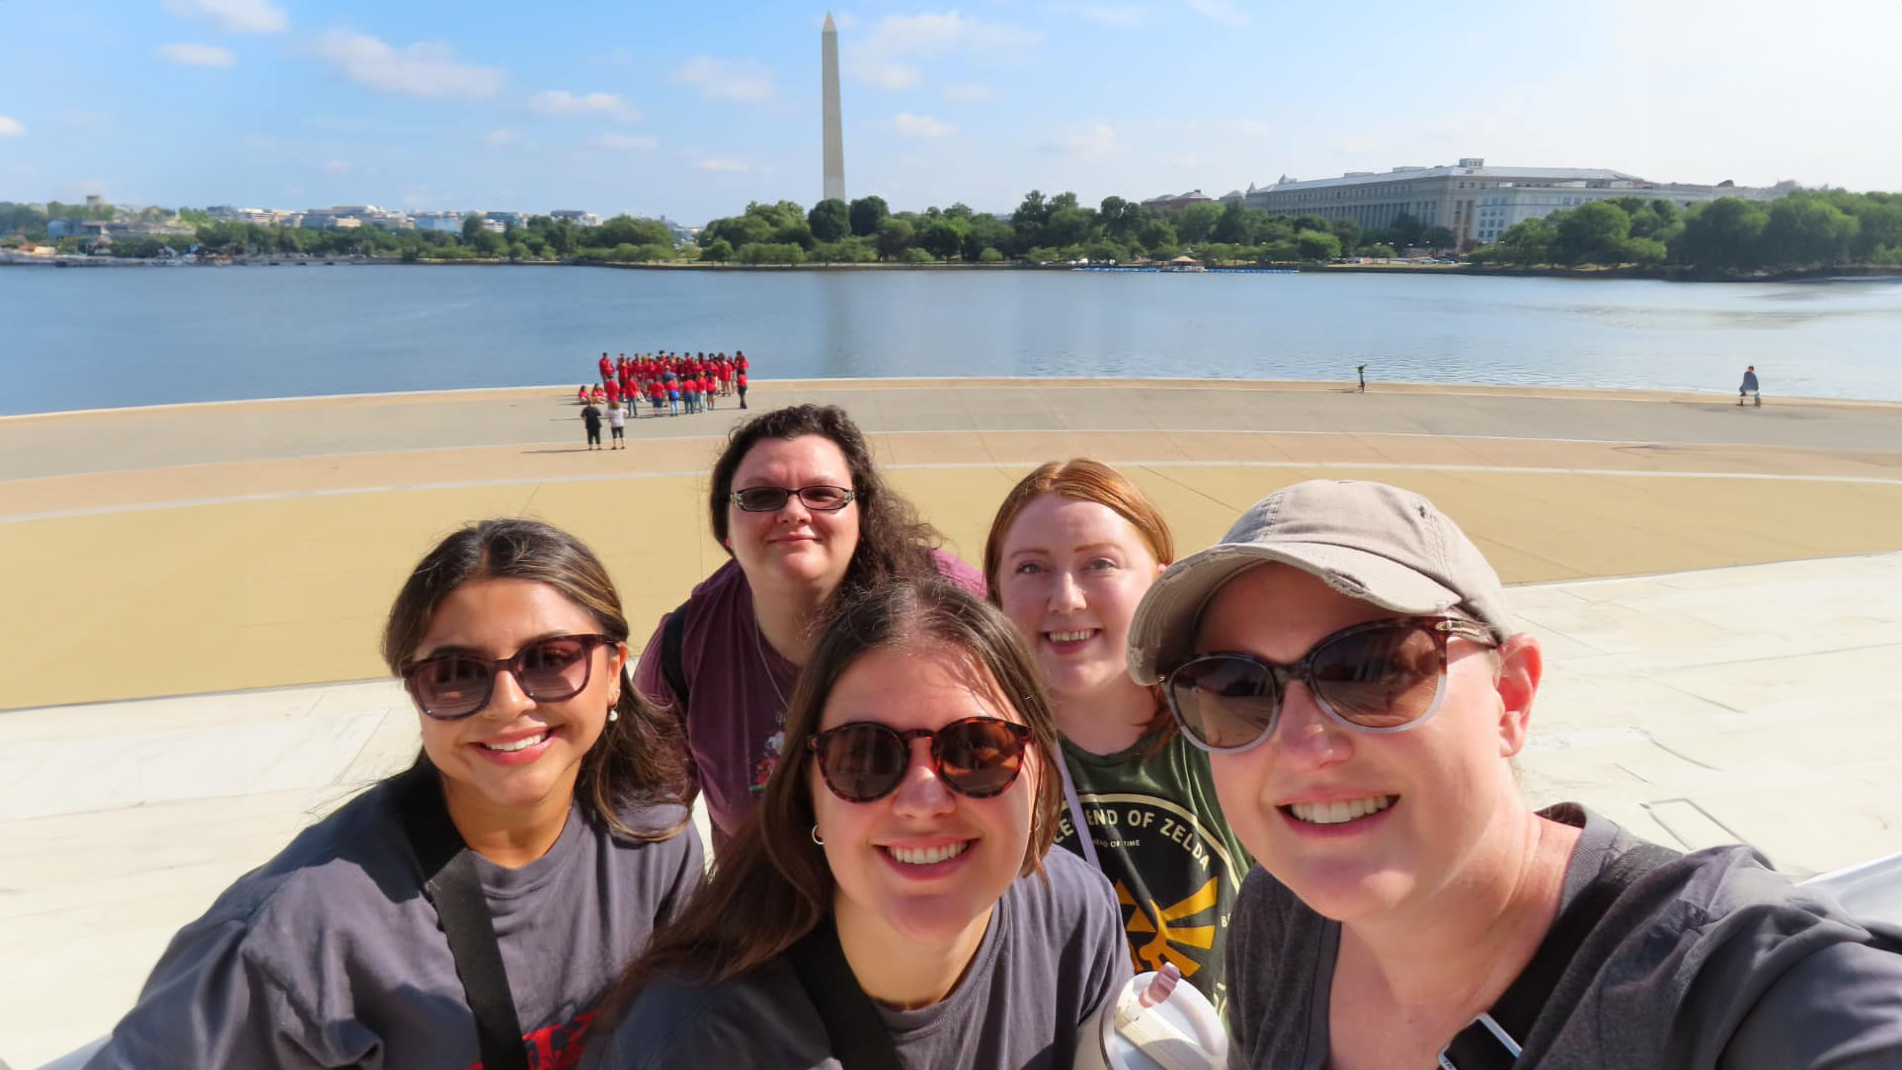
915,685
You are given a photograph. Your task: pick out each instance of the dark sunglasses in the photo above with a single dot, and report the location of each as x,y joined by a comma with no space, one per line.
865,760
453,686
826,499
1382,676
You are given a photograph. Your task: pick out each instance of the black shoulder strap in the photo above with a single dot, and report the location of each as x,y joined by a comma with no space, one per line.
672,635
453,887
857,1034
1478,1047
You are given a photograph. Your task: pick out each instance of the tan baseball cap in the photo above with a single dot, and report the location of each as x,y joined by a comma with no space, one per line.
1370,541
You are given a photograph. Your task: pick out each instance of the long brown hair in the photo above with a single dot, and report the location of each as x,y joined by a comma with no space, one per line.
1086,480
770,885
893,540
640,759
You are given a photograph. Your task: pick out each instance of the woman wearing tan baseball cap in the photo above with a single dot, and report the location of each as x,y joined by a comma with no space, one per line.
1346,656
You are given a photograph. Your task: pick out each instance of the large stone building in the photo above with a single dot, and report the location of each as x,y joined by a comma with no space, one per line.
1474,201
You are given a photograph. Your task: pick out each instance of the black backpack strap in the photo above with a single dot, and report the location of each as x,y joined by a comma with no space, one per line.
452,886
856,1033
1493,1041
673,634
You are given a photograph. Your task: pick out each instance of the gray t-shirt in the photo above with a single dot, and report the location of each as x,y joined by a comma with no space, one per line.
1710,961
1054,951
329,956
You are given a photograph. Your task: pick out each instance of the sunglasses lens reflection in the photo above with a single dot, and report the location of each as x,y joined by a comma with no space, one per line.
979,757
863,762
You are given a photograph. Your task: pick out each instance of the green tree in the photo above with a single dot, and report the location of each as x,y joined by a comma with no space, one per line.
1593,233
1724,234
471,226
1197,222
1438,238
1804,230
1406,230
1317,244
989,255
894,237
867,213
1067,226
941,237
1527,242
986,232
830,220
717,251
1348,232
1156,234
1231,226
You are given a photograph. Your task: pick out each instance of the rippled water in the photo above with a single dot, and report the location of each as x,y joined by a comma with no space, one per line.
105,337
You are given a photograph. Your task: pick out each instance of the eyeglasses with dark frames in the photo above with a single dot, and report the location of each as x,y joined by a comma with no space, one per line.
865,761
1381,676
450,687
820,496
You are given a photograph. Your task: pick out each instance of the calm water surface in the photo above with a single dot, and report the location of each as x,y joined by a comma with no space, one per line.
132,336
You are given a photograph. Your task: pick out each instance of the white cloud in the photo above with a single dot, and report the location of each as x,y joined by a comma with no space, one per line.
562,102
424,69
920,125
500,137
338,166
969,93
716,163
232,16
621,141
1090,139
878,58
11,127
727,79
1119,16
196,55
1222,11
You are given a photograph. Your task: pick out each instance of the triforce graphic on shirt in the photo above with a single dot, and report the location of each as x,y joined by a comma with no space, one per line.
1176,880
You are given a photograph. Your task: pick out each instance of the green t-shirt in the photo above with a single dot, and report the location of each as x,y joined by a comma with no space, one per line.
1163,843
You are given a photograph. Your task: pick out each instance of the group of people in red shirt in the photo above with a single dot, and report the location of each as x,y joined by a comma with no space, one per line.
667,380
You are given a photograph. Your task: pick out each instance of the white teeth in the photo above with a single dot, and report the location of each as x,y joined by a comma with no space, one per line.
926,856
520,744
1340,811
1071,637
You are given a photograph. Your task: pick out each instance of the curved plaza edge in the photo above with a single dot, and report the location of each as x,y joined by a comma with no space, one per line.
1706,580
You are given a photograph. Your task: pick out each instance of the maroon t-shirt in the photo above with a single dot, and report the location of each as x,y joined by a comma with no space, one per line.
739,686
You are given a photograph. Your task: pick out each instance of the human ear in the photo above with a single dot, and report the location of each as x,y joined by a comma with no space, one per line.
1521,667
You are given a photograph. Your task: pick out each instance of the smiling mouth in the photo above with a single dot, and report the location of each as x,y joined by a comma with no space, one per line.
928,856
1072,637
518,744
1340,811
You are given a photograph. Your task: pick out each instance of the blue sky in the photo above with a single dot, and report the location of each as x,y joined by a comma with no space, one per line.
691,110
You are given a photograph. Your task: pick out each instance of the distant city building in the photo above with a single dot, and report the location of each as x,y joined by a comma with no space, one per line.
576,216
345,216
1451,196
1178,200
507,219
450,221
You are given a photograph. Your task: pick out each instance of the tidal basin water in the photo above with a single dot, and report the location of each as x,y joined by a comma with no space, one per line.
89,338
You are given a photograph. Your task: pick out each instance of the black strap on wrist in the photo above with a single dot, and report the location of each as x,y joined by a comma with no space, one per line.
857,1034
453,887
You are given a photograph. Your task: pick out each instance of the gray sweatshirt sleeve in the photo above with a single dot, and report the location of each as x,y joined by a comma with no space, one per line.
209,1006
1838,1009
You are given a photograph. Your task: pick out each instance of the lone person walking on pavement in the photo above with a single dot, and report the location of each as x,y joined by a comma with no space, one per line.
1750,386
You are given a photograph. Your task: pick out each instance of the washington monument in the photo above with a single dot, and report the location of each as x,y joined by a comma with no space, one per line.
834,138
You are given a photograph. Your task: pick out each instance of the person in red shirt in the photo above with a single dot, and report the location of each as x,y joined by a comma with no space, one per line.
706,388
581,395
597,395
614,393
725,371
657,394
607,367
740,363
739,380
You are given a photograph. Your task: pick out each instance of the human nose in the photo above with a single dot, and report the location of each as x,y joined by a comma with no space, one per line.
922,792
1303,730
795,511
1066,595
506,697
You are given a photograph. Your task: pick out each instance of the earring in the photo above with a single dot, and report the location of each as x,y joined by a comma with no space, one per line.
613,715
816,838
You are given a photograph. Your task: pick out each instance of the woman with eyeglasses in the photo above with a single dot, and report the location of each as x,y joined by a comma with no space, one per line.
1346,655
1071,551
890,901
806,521
473,908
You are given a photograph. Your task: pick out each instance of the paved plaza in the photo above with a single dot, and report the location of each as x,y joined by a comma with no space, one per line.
188,670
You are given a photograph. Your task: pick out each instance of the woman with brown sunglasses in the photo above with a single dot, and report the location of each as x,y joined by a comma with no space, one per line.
890,900
473,908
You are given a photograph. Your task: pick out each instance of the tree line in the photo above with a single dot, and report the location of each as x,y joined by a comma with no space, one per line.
1804,230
